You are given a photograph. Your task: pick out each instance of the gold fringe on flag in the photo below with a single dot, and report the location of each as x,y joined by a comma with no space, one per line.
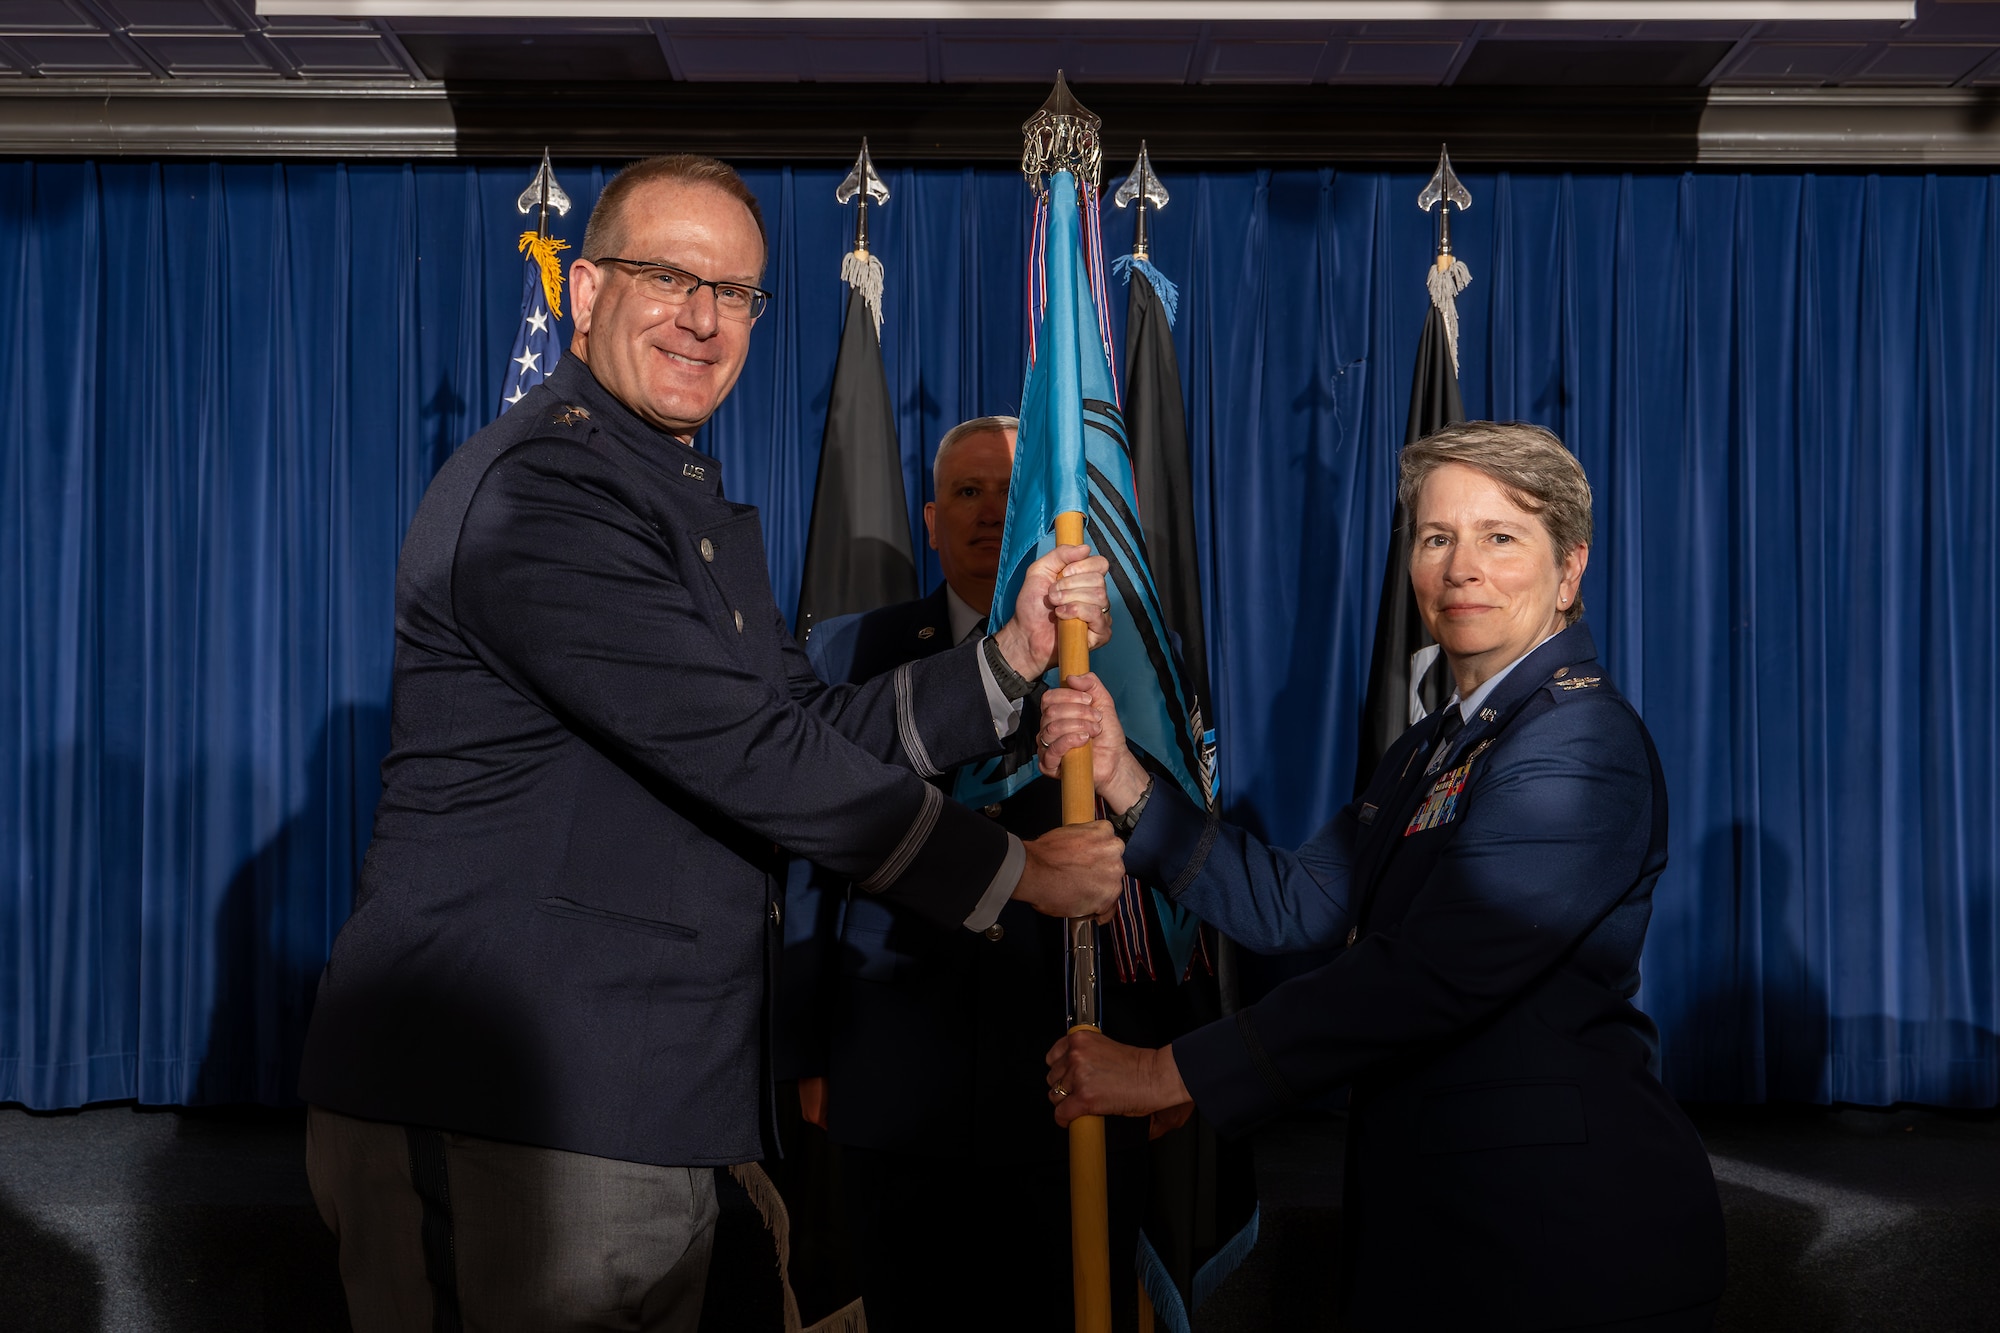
544,249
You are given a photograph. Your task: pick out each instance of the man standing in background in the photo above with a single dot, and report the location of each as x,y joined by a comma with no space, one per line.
921,1046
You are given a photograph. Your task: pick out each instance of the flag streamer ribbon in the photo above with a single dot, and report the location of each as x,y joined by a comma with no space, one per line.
1072,456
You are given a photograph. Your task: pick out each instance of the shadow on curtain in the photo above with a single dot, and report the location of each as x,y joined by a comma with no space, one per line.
229,384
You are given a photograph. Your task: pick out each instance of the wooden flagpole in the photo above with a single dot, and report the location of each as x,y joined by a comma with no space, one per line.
1089,1217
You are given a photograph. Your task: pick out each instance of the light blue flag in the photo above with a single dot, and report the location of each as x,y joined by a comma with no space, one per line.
1071,454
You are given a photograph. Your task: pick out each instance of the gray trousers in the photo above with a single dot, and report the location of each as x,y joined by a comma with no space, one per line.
446,1233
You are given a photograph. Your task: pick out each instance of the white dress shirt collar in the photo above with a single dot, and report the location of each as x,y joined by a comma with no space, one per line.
964,620
1468,708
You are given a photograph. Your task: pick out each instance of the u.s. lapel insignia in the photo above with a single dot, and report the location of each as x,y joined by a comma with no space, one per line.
1580,683
927,631
1441,805
1487,715
572,414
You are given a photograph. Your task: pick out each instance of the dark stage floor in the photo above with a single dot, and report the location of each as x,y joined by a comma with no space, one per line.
121,1220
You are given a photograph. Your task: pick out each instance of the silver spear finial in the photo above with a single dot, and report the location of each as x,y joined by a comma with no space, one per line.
869,187
1142,187
543,194
1444,188
1062,136
1448,277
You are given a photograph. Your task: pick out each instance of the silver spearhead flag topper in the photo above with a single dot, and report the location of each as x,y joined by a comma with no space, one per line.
1449,275
862,180
1141,184
1444,185
1062,136
543,192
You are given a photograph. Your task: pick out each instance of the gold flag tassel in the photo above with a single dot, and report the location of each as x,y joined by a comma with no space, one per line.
544,249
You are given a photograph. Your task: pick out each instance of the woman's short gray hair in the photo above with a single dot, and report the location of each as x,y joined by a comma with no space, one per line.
976,426
1539,474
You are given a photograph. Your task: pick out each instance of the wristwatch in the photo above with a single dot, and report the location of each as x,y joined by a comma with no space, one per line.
1011,682
1123,824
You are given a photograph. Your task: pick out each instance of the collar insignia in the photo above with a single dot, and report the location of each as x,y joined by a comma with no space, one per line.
1580,683
927,631
571,415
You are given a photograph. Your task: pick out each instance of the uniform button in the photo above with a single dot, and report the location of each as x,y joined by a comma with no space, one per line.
777,914
993,812
739,620
996,932
708,550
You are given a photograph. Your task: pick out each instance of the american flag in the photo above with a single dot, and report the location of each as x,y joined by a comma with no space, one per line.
538,342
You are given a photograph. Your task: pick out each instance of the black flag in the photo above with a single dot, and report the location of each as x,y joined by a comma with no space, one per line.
1156,427
1399,632
858,551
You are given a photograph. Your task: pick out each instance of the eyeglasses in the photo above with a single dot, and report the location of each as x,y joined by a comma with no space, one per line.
673,286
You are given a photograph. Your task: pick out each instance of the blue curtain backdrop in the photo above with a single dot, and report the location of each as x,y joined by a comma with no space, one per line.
227,385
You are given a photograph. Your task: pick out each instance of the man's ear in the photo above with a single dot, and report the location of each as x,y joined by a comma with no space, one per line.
930,522
582,293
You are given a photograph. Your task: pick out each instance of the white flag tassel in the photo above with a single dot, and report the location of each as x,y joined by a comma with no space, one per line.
863,272
1447,279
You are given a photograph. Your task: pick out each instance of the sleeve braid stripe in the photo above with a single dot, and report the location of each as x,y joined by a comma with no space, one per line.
906,726
913,842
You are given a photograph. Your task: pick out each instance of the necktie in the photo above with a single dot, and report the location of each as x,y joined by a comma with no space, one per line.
1447,732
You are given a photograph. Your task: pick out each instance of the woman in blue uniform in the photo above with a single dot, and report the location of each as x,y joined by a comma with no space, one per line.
1512,1159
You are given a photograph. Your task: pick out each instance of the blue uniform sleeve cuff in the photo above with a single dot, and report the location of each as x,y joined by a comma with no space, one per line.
1172,840
1233,1083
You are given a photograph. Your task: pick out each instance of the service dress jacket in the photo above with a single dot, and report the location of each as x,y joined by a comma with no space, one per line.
604,747
1513,1161
932,1037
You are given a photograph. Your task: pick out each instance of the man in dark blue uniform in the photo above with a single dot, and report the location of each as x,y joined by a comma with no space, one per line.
544,1023
923,1045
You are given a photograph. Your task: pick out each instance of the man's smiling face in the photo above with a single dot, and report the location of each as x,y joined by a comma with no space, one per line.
671,364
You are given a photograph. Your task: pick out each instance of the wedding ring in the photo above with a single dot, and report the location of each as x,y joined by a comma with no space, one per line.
1061,1091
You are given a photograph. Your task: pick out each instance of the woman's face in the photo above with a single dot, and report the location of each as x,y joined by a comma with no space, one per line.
1489,582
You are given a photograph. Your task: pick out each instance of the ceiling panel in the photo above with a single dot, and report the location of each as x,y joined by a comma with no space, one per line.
1792,62
990,59
282,26
1620,64
1933,64
1951,42
736,57
1370,61
1125,61
44,16
1531,30
890,59
170,16
529,56
1241,61
206,57
95,57
328,57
